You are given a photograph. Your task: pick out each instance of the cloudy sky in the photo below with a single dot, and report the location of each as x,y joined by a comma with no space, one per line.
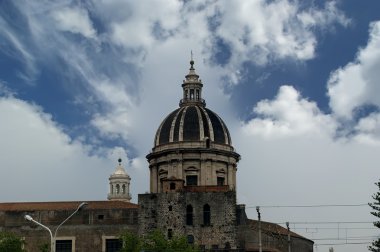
85,82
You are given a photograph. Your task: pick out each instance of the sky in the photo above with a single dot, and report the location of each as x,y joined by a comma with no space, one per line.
83,83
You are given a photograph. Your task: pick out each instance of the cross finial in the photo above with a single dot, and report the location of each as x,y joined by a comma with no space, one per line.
191,60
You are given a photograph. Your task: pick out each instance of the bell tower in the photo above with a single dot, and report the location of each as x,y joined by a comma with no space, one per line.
119,184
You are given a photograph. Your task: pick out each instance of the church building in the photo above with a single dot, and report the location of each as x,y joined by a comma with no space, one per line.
192,169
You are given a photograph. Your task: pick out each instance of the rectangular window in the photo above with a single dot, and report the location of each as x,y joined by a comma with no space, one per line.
170,233
192,180
214,247
113,245
220,181
63,245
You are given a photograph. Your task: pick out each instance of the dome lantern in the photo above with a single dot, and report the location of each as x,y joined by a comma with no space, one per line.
192,88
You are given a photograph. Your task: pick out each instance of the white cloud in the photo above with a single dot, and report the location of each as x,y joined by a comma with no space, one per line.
255,31
278,30
356,84
40,162
20,51
291,156
260,31
137,29
368,129
288,114
75,20
307,170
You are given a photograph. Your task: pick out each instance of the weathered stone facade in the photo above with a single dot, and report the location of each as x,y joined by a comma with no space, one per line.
88,230
169,212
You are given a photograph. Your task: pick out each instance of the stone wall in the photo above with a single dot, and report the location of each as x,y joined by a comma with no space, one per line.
88,228
273,238
168,213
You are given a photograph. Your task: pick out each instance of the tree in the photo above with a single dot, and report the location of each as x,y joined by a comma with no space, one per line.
131,242
155,242
10,242
375,247
44,247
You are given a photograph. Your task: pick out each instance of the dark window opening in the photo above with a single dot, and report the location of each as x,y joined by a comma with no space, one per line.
190,239
208,143
206,215
101,217
189,215
170,233
172,186
113,245
192,180
220,181
214,247
170,208
227,246
63,245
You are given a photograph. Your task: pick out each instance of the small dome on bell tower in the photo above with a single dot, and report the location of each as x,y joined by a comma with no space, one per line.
119,184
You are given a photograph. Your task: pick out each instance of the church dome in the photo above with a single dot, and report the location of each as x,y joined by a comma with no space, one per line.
192,146
192,123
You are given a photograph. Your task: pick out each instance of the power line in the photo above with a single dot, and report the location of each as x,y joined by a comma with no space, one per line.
310,206
361,238
338,244
326,222
334,228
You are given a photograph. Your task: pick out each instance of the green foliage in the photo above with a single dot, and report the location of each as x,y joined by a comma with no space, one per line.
131,242
9,242
179,243
155,242
375,247
44,247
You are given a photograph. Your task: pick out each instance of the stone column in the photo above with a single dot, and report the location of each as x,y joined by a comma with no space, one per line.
202,173
230,175
153,179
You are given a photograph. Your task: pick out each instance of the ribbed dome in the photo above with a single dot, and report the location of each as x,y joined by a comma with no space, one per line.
192,123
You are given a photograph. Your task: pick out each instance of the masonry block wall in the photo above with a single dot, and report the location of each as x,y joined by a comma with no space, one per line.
273,238
88,229
209,218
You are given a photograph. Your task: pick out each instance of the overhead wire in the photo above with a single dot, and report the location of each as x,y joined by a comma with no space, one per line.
309,206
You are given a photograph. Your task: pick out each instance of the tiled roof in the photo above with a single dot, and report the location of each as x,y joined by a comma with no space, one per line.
64,205
273,228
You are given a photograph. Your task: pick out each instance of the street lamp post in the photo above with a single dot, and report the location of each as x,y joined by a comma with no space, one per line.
259,217
29,218
52,238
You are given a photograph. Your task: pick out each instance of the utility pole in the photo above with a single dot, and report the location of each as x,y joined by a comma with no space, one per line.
289,248
259,217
